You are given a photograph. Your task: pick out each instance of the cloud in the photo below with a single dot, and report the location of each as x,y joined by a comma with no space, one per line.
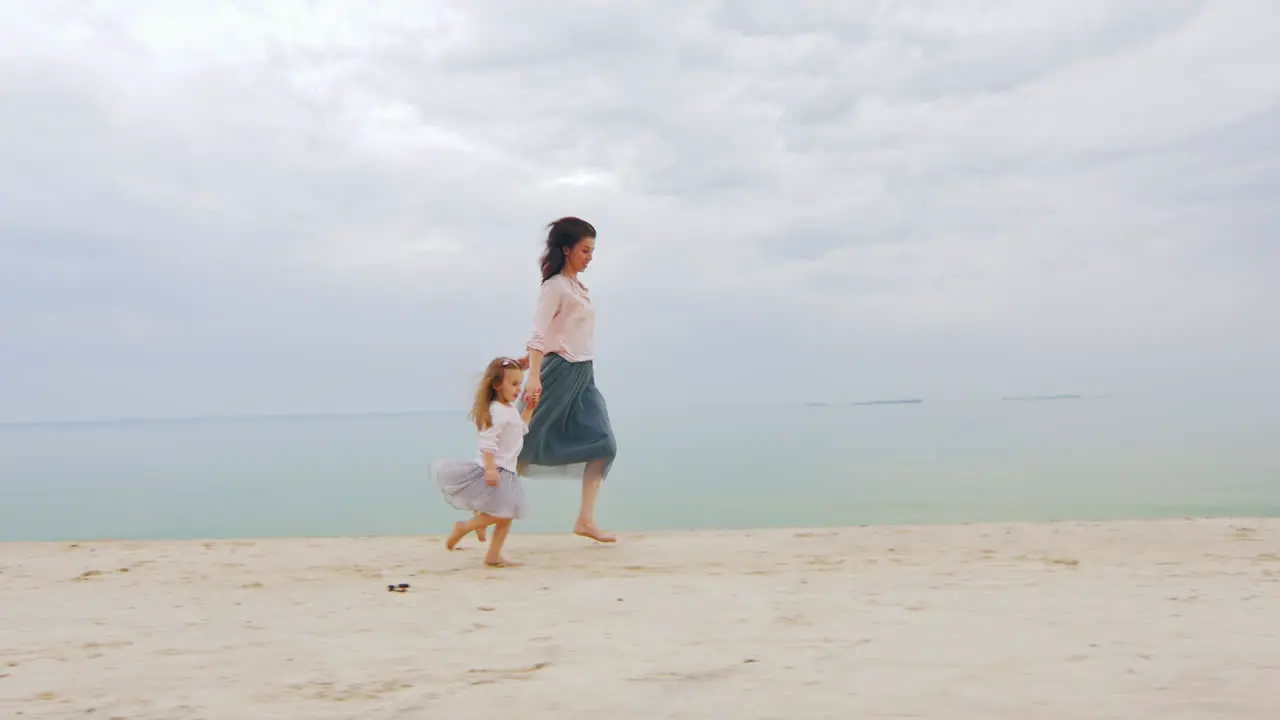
358,190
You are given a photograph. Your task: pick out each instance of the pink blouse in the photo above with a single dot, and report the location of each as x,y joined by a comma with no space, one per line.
564,321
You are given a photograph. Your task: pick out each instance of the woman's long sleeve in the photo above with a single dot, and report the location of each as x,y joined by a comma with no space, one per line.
543,314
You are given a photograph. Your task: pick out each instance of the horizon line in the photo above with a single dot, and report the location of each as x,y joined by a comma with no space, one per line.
298,414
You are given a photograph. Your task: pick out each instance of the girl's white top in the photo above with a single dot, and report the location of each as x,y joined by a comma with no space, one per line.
504,438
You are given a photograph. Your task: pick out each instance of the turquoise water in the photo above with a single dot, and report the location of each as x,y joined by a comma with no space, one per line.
725,467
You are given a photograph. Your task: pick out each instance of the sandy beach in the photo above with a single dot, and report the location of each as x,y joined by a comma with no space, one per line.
1151,619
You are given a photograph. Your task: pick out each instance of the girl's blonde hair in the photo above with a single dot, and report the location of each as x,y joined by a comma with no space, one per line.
485,394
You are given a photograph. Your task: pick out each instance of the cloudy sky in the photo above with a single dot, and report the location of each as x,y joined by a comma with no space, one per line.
291,205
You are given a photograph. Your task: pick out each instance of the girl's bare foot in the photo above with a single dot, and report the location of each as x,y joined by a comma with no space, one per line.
459,531
593,532
480,532
501,563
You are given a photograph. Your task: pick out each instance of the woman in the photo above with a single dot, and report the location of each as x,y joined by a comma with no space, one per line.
570,426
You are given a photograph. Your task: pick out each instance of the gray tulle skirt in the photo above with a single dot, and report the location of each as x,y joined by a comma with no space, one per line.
570,426
463,485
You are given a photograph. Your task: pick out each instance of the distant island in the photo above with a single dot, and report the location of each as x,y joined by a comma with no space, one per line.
1038,398
857,403
907,401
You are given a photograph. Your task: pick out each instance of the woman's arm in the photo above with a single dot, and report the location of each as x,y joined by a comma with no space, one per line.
543,314
546,310
533,383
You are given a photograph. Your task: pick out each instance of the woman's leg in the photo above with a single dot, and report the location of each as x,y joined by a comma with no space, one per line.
494,557
592,478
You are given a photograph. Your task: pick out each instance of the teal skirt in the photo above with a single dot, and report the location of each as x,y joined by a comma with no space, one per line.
570,426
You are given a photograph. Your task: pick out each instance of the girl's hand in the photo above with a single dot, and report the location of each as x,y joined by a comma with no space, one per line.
523,362
526,413
533,390
491,477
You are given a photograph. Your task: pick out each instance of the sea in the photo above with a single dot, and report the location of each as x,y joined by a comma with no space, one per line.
917,461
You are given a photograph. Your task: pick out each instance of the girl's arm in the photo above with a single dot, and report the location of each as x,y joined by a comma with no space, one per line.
488,446
490,469
526,414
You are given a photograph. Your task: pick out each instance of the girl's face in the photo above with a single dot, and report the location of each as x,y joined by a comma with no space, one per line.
578,257
508,388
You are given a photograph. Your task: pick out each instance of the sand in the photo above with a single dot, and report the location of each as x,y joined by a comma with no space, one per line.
1152,619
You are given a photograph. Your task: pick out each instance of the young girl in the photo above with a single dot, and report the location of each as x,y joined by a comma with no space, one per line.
488,485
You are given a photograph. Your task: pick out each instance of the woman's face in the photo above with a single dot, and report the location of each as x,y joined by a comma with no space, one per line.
578,257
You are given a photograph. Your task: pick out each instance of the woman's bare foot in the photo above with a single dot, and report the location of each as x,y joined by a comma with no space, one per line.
459,531
593,532
501,563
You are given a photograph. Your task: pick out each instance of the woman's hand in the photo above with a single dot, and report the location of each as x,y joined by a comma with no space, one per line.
491,477
533,390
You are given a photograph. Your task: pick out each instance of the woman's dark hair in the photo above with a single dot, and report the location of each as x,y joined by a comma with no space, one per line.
563,235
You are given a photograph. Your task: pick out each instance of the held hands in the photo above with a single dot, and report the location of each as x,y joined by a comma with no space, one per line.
526,413
532,386
533,391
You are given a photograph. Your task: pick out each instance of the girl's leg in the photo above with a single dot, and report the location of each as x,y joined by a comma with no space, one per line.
520,468
592,478
478,522
479,531
494,557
